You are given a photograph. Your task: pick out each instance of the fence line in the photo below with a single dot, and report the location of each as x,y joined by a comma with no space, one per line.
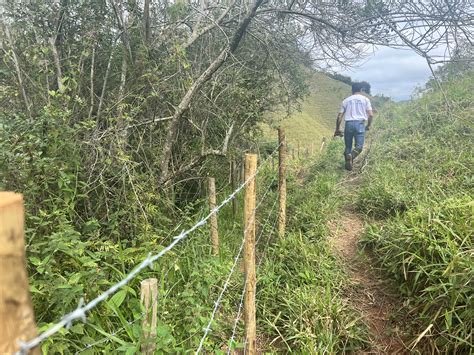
115,332
226,284
108,338
82,309
241,305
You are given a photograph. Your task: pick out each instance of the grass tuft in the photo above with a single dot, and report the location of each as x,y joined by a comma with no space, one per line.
419,181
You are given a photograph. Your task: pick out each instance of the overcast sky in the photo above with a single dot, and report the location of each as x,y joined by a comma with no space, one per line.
392,72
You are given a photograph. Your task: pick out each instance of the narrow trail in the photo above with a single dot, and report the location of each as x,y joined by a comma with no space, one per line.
368,293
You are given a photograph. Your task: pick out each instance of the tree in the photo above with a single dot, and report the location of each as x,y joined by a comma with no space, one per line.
365,87
152,91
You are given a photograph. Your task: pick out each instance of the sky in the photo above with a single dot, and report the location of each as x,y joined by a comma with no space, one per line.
392,72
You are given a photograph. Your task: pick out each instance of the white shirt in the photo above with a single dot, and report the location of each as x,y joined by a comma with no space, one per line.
355,108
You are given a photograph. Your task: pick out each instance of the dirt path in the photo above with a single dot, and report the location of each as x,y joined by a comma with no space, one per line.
368,292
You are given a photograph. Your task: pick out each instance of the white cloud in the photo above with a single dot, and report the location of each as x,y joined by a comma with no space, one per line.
392,72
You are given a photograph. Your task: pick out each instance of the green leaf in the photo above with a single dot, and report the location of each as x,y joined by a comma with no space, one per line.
131,350
118,298
74,279
35,261
77,328
33,289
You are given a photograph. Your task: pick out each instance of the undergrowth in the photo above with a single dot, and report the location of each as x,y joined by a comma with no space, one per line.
299,300
419,181
299,288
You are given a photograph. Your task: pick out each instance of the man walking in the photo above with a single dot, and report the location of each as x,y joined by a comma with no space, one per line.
357,111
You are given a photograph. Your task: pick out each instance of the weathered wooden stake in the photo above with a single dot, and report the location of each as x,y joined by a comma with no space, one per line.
149,300
312,148
298,149
322,144
17,319
249,254
212,205
232,185
281,182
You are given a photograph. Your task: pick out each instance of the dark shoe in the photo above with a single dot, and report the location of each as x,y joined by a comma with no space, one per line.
349,162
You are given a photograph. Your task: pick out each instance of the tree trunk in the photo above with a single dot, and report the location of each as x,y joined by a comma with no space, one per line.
203,78
19,77
57,63
146,22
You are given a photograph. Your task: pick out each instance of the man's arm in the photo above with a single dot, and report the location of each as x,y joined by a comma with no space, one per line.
338,124
370,116
340,115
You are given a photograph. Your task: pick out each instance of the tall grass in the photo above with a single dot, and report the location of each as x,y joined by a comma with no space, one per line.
300,292
419,180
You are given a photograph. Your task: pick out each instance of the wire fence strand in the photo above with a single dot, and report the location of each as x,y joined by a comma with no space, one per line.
82,309
241,304
226,284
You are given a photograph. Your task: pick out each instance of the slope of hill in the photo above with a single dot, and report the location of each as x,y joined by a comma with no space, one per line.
318,112
418,184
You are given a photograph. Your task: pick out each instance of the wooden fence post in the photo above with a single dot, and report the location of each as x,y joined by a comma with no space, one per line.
249,254
17,320
212,205
322,144
232,185
281,182
149,299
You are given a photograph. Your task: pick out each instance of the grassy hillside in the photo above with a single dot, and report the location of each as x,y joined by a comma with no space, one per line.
419,185
318,112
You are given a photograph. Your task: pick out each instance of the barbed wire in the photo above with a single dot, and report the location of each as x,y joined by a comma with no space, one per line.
219,299
104,339
236,259
142,316
82,309
241,304
88,346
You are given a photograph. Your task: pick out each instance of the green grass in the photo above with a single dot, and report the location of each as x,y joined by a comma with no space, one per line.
419,185
299,291
300,298
318,113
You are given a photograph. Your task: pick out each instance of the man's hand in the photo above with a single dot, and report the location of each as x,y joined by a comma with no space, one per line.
367,128
338,133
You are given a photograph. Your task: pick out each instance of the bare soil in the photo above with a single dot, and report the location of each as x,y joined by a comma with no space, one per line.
369,292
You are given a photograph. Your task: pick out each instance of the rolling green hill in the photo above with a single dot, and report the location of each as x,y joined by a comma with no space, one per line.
318,113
